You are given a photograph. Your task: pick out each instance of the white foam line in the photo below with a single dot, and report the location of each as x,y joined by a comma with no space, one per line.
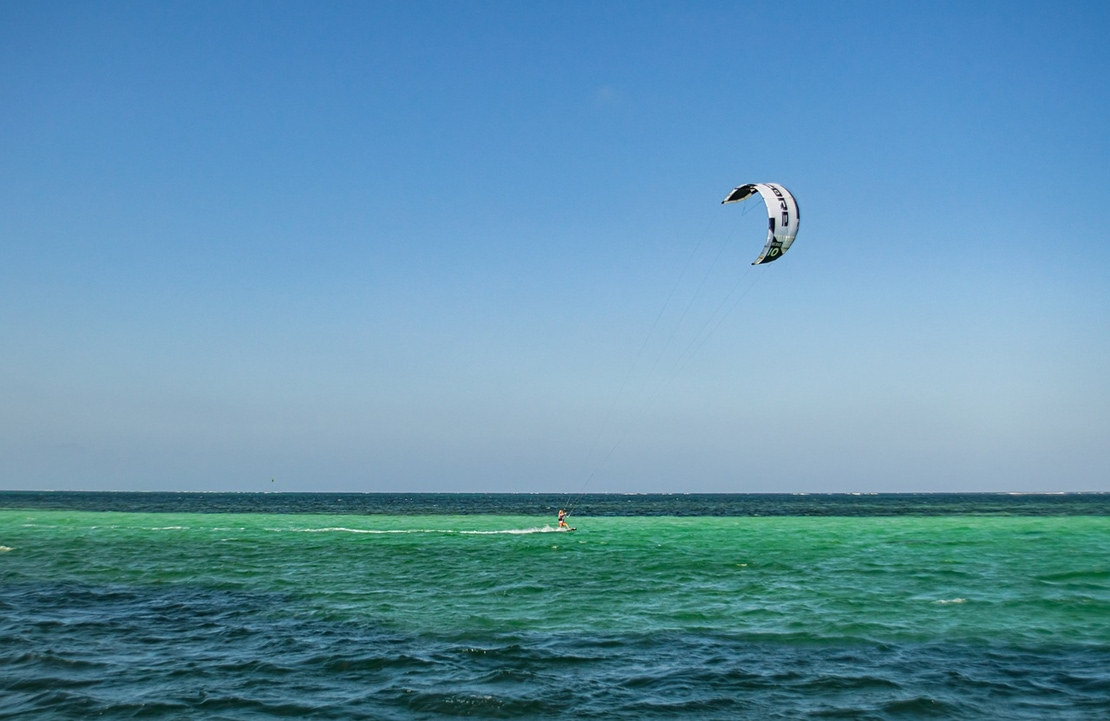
376,531
359,530
513,531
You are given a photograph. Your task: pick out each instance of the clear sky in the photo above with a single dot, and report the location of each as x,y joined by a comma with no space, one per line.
444,246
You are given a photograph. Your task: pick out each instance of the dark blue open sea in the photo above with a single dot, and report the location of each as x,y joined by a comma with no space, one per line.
402,606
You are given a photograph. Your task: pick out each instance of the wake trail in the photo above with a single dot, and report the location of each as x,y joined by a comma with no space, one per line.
439,531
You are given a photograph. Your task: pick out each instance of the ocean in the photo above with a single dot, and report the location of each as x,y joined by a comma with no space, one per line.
427,606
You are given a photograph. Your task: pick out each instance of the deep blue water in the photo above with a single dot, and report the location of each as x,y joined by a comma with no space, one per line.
590,504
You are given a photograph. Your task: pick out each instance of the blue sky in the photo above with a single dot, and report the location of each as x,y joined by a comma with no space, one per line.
479,246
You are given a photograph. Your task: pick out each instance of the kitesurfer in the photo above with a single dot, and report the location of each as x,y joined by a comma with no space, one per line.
563,519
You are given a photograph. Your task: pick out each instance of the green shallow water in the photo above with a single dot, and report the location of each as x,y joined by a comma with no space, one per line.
1020,579
659,599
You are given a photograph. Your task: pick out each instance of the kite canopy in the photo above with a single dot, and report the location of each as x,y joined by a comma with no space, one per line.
783,216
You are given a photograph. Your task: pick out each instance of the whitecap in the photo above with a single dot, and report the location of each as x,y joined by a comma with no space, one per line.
951,600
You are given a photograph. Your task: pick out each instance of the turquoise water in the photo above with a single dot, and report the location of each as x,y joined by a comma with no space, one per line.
258,615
